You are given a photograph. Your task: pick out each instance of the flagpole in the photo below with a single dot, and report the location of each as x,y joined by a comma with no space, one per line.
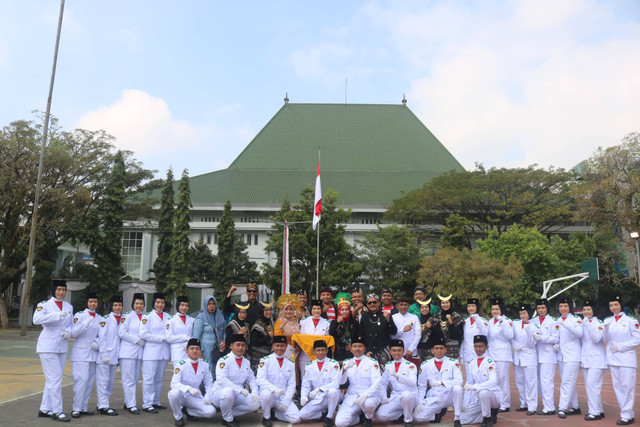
318,249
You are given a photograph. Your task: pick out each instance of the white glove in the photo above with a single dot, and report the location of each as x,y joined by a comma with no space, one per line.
106,360
475,316
470,387
279,392
89,320
560,324
304,400
517,347
244,392
537,337
314,393
207,401
282,408
63,314
66,336
359,401
349,364
255,397
193,391
556,347
140,342
614,347
418,409
384,400
394,373
94,346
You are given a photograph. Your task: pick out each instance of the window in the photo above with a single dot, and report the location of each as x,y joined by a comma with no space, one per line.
208,238
132,253
255,239
249,239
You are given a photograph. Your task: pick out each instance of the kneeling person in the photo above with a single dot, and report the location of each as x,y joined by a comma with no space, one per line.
185,385
277,382
402,376
482,393
363,394
233,371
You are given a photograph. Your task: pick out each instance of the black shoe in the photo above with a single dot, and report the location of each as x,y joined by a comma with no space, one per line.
562,414
574,411
134,411
75,414
366,423
266,422
601,414
159,406
233,423
86,412
501,410
590,417
521,409
328,422
625,422
494,415
151,410
546,412
456,423
399,420
179,422
189,416
486,422
531,413
43,415
60,417
108,411
439,416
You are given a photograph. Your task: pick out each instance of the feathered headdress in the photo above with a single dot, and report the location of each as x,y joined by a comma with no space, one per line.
288,299
342,298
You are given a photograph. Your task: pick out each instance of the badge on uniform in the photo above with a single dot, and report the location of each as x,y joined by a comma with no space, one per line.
144,321
177,370
122,321
491,368
221,365
39,309
336,367
412,366
167,326
103,324
75,320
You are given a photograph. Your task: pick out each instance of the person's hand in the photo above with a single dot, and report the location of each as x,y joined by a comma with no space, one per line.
386,315
407,328
243,330
556,347
207,401
232,289
94,346
537,337
255,397
470,387
270,333
279,392
66,335
140,342
449,319
408,355
63,314
223,345
614,347
359,401
106,360
89,320
314,393
517,347
393,373
475,316
348,347
339,319
282,408
304,400
428,325
561,324
384,400
348,364
193,391
369,354
244,392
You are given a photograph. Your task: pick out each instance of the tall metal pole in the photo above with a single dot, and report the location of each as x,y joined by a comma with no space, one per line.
318,248
36,202
638,256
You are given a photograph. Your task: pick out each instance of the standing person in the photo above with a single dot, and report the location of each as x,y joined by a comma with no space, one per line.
312,325
180,331
424,346
500,334
363,394
156,354
287,323
320,386
622,334
188,376
261,336
594,360
55,316
108,355
357,303
329,309
303,311
343,329
408,330
229,393
376,329
83,355
448,323
420,295
209,328
475,324
569,357
253,312
525,360
386,299
276,380
131,349
546,334
482,392
238,324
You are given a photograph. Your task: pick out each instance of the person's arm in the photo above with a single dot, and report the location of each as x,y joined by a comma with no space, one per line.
393,329
492,382
422,380
222,375
124,330
176,380
554,336
507,328
145,331
417,335
261,377
172,336
258,339
595,331
291,387
375,381
457,375
634,342
576,327
198,328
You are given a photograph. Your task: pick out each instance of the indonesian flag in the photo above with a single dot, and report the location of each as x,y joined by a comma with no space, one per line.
318,200
285,260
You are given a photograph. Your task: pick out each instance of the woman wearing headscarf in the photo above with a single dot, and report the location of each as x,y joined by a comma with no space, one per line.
344,328
209,329
424,346
261,335
376,329
420,295
448,324
287,323
238,324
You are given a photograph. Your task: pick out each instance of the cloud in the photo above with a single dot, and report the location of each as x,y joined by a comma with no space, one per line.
317,61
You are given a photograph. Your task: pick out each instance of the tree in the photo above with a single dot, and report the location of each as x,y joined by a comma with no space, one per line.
162,264
390,257
338,265
453,234
201,263
179,275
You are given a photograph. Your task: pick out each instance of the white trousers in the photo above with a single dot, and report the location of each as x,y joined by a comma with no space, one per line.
53,368
152,375
232,404
130,373
269,400
329,402
568,394
593,387
84,373
624,380
349,413
481,409
430,406
546,374
104,383
195,405
401,403
527,383
302,361
504,382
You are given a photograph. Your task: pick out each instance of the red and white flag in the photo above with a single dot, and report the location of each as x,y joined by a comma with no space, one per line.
285,260
318,200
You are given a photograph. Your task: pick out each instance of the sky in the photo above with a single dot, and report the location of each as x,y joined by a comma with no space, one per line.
188,84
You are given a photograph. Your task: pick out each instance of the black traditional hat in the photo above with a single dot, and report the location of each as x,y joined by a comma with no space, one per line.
588,303
193,341
438,340
472,301
137,296
116,298
480,338
315,302
386,291
319,344
157,296
181,299
497,301
357,340
236,338
526,307
92,295
616,298
279,339
542,301
397,343
56,283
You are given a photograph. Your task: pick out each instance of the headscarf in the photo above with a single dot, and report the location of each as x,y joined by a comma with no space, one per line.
215,320
425,317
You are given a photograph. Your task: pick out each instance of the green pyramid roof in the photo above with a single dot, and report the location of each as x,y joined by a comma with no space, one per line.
370,153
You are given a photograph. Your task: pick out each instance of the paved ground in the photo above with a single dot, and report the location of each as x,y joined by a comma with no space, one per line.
22,382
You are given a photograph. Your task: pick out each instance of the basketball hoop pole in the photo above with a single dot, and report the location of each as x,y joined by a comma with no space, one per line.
546,285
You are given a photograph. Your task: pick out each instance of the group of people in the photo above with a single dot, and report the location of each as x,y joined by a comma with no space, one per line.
344,358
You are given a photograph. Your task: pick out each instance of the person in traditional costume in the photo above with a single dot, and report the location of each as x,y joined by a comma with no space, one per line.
344,328
261,336
287,323
303,311
424,346
238,324
448,324
376,329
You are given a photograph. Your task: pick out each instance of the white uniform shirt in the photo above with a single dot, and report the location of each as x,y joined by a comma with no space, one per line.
307,327
153,330
328,377
85,334
48,315
499,336
412,337
593,352
480,326
230,375
449,374
406,380
129,333
625,333
185,377
272,376
570,331
484,377
523,337
179,334
363,378
548,331
109,339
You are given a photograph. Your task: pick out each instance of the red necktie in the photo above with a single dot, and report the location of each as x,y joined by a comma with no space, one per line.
472,320
92,314
397,366
618,317
59,304
564,318
159,315
280,359
184,318
195,367
495,321
320,364
541,320
524,323
239,361
358,362
315,322
117,319
480,361
139,316
438,365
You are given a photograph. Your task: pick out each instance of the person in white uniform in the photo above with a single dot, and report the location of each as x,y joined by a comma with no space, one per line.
131,349
409,331
188,375
594,360
85,330
475,324
180,330
276,380
482,392
312,325
320,390
155,357
443,376
233,374
363,394
499,335
108,355
547,335
622,334
401,377
56,318
569,357
525,360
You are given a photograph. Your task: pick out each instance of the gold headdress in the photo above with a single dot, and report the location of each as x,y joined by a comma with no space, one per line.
445,298
243,307
267,305
425,302
288,299
342,298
